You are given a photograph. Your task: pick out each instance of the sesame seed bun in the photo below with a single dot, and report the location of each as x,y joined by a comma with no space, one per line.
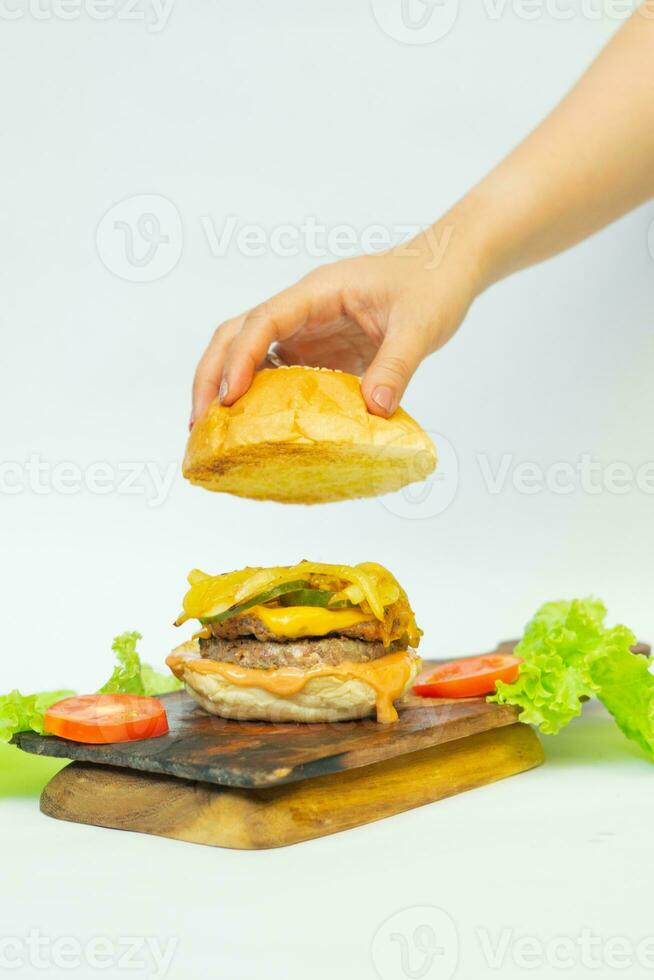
304,435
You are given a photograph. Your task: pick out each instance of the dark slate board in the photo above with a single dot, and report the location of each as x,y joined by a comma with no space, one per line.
202,747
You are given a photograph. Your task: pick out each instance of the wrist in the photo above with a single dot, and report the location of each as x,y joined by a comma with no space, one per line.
475,239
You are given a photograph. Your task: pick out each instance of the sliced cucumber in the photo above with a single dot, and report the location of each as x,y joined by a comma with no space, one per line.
257,600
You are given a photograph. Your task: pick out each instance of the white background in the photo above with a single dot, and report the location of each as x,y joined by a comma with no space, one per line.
272,113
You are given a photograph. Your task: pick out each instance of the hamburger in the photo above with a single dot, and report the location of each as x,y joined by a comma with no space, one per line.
304,643
304,435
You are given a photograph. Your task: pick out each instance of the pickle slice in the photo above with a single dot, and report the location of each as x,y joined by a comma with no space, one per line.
257,600
314,597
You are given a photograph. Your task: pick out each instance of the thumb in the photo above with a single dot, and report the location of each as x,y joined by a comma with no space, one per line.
394,365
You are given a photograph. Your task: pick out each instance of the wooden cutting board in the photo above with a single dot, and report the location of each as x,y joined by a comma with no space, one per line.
253,785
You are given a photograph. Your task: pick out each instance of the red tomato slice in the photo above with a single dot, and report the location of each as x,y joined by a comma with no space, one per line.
471,677
101,718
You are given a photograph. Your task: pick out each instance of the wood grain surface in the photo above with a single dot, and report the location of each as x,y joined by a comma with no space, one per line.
225,816
202,747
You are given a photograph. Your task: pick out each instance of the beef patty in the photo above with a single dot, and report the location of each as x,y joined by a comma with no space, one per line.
242,626
304,653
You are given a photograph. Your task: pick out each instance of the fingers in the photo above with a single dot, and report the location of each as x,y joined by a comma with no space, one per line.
209,372
276,320
391,370
240,346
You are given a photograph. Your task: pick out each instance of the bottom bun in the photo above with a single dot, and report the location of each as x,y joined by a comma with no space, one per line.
325,698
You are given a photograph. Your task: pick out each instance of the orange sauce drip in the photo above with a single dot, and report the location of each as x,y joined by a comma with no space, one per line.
387,676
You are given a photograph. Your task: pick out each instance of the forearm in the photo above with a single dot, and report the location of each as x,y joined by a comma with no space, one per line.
588,163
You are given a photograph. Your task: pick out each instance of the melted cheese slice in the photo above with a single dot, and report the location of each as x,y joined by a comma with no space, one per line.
295,621
387,676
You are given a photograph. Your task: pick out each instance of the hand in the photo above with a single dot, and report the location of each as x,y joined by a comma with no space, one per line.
376,316
381,315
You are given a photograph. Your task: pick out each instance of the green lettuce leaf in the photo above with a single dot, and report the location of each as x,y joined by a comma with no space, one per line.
569,655
130,676
626,688
126,676
155,683
24,712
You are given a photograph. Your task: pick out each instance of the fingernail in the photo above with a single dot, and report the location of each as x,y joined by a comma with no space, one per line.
384,397
191,423
222,393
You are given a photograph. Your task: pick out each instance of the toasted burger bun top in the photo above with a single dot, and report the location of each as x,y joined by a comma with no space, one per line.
304,435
